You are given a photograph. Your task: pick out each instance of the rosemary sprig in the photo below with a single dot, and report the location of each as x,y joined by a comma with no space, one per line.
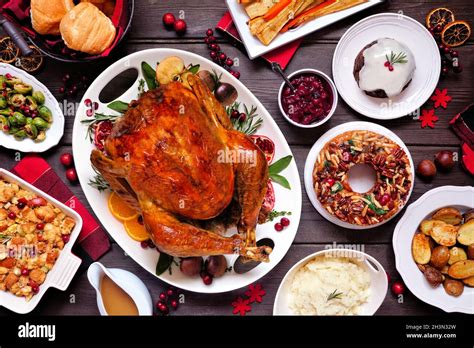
334,295
99,182
217,78
275,214
93,121
400,58
252,120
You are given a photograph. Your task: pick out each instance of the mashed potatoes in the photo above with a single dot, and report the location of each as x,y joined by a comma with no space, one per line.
329,286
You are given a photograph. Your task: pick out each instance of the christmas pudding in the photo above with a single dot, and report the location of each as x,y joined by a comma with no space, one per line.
384,68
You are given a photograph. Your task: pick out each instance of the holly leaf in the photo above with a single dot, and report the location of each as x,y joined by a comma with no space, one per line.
279,179
164,263
280,165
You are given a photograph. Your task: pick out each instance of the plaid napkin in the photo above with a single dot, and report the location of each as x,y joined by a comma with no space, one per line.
93,242
281,55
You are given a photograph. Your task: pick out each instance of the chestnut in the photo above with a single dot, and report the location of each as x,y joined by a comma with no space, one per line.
426,169
208,79
226,94
191,266
216,265
444,160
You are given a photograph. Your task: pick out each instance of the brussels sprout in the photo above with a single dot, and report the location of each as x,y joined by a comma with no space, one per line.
31,102
22,88
20,119
17,100
3,103
29,120
4,122
5,112
45,113
20,135
13,130
13,81
39,97
41,136
40,123
3,80
31,131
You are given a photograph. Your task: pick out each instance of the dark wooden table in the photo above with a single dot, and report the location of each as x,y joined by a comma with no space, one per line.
314,231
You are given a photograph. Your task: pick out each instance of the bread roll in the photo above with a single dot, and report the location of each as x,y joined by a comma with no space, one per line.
106,6
47,14
85,28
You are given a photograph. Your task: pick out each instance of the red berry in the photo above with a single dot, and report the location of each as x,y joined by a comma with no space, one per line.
170,292
390,67
444,70
229,62
23,200
285,222
35,288
385,199
214,47
71,175
209,32
66,159
8,76
398,288
454,53
330,181
236,74
66,78
180,27
174,304
163,296
164,309
439,28
447,50
207,279
386,64
278,227
21,205
144,244
222,56
213,54
11,215
243,117
211,39
25,271
88,102
66,238
235,114
159,304
40,226
150,243
168,20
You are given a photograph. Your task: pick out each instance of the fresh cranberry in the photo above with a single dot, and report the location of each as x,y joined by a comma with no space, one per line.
222,56
66,238
439,28
211,39
454,54
162,296
66,78
236,74
214,47
25,271
164,310
170,292
180,27
159,304
40,226
144,244
71,175
285,222
151,245
8,76
11,215
385,199
21,205
278,227
390,68
444,70
242,117
174,304
235,114
229,62
207,279
209,32
213,54
34,287
168,20
6,128
386,64
441,46
447,50
398,288
89,112
66,159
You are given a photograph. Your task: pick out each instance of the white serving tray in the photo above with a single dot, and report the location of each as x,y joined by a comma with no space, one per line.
255,48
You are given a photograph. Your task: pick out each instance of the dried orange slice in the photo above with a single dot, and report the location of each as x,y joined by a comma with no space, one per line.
120,209
456,33
33,62
441,16
135,230
8,50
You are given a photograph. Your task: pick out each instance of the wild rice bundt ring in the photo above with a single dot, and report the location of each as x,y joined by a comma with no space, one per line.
392,184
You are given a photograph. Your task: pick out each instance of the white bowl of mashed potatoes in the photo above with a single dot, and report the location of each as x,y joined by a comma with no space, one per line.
332,282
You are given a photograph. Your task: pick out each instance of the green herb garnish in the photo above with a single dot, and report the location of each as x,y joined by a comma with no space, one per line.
336,187
193,68
164,263
118,106
400,58
252,121
275,214
93,121
277,167
99,182
373,207
334,295
149,74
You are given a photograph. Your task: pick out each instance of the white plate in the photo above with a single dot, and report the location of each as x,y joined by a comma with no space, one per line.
313,155
409,32
444,196
255,48
378,281
288,200
53,135
66,265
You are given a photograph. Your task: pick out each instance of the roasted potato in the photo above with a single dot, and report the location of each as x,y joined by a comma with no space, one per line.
439,257
445,269
168,69
470,252
433,276
444,234
426,226
468,215
449,215
453,287
461,269
466,233
469,282
420,249
456,254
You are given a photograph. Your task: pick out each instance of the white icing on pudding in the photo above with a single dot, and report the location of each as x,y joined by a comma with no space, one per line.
375,74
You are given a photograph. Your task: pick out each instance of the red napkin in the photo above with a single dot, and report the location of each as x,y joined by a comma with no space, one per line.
281,55
18,12
92,241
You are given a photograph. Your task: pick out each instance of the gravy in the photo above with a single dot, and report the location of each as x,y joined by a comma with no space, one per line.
116,301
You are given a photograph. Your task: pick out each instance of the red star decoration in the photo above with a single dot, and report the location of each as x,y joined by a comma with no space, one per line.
241,306
428,118
441,98
255,293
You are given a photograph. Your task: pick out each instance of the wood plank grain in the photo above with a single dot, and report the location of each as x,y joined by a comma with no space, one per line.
257,76
83,298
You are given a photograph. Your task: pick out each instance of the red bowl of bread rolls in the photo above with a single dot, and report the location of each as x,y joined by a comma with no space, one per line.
72,30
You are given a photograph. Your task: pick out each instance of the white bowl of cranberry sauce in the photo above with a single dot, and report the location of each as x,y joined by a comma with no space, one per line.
313,102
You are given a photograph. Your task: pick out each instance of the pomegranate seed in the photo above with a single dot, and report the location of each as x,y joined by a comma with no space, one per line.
209,32
11,215
6,128
25,271
8,76
40,226
162,296
66,238
285,221
278,227
23,200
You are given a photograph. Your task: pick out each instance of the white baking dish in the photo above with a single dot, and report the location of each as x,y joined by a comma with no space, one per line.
66,265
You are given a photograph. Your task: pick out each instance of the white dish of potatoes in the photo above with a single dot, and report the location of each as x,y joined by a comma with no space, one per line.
434,248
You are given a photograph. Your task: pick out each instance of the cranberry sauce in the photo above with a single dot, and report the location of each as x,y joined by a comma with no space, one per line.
312,100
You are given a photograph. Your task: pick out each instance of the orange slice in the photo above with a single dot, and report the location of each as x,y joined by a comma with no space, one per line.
135,230
120,209
32,63
9,52
439,16
456,33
